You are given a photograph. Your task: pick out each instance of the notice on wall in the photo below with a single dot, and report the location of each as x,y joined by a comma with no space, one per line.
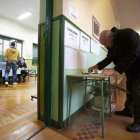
71,36
95,47
71,58
73,12
84,42
82,60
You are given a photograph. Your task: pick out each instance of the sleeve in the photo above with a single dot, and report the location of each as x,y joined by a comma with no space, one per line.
18,55
25,65
132,53
104,62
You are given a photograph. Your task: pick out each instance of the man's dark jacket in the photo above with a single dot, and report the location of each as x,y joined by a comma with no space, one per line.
125,52
21,65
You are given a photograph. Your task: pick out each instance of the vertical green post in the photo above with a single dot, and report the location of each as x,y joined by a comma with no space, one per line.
61,72
48,62
70,96
102,106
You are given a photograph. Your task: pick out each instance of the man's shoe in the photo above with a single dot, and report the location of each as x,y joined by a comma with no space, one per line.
15,83
124,113
134,127
6,84
24,79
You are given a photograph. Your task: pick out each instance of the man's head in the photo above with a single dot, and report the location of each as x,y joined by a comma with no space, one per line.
13,44
106,38
22,60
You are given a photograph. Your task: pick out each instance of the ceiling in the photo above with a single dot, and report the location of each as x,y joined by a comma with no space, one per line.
11,9
128,12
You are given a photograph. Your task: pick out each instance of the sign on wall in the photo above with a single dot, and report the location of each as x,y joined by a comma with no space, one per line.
82,61
71,36
73,12
71,58
84,42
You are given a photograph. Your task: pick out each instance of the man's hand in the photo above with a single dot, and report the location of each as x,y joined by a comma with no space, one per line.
108,71
90,69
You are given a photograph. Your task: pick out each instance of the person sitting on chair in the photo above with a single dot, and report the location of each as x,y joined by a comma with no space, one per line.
22,65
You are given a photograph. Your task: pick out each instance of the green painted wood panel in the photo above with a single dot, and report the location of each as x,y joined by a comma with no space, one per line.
55,69
41,72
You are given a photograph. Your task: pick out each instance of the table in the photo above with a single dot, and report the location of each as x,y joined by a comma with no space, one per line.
19,72
87,77
28,69
10,73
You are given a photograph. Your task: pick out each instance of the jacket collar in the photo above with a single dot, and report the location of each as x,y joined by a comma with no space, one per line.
115,31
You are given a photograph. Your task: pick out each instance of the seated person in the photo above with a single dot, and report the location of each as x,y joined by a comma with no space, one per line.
22,64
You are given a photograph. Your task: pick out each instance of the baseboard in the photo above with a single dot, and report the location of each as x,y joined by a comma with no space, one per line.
54,124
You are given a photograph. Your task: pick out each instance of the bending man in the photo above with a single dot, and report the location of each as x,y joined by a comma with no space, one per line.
124,50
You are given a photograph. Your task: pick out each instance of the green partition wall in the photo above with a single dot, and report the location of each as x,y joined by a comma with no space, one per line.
59,81
55,72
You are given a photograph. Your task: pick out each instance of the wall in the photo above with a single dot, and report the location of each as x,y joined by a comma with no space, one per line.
42,11
101,9
57,7
29,64
12,29
138,32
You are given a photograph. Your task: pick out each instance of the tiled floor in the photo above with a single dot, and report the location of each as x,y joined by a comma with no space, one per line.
87,127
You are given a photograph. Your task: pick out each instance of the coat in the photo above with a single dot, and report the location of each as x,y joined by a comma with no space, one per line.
125,52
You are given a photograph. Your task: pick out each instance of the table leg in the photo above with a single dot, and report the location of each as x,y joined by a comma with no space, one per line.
85,94
109,96
70,96
35,75
28,75
68,92
102,107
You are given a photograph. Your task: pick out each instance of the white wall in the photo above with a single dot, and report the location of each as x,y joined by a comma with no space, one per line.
28,35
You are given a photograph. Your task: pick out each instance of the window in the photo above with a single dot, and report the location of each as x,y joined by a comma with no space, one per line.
35,54
19,48
0,50
5,43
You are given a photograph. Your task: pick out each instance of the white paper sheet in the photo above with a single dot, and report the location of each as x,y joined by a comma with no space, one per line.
71,58
84,42
71,36
73,12
82,60
95,47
